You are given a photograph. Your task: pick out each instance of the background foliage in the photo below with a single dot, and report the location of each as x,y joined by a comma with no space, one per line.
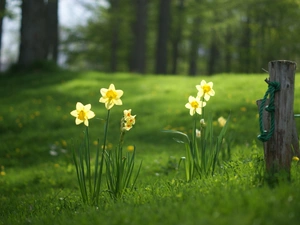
162,37
188,36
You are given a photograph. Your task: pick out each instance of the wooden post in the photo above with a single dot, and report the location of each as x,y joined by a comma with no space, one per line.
278,149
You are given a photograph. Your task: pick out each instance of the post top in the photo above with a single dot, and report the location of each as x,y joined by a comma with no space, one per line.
286,63
283,61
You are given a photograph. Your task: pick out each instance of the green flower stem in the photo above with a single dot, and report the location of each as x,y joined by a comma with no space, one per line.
98,171
203,143
105,130
119,169
194,136
88,160
80,177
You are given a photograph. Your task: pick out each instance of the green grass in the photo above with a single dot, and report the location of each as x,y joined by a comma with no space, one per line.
39,188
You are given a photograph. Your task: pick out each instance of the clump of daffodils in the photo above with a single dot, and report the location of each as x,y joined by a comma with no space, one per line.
128,120
196,104
89,175
202,148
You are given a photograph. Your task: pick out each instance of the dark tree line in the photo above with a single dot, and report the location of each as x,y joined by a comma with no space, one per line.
186,36
164,36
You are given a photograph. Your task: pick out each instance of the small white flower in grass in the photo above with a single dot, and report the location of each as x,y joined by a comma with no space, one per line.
198,133
195,105
202,123
53,153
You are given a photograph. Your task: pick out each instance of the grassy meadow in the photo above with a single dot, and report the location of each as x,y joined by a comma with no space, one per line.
38,182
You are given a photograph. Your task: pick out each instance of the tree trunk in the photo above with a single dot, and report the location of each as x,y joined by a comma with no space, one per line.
214,54
245,47
178,35
163,35
52,30
194,46
2,13
228,51
115,25
138,63
33,46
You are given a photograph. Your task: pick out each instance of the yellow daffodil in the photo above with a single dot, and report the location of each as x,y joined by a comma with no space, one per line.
222,121
195,105
111,96
130,148
82,113
129,120
127,113
127,126
295,158
205,90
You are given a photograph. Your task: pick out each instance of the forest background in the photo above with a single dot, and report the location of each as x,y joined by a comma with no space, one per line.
159,36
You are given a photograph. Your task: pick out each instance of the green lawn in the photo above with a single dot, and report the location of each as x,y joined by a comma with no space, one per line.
38,180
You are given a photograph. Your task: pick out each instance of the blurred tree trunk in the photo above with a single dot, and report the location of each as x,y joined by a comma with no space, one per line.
214,53
245,47
33,46
2,13
194,46
177,39
138,62
115,25
228,51
163,35
52,30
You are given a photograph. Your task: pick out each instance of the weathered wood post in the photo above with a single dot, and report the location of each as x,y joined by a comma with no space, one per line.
283,144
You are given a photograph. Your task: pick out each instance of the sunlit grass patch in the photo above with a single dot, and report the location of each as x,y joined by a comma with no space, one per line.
38,177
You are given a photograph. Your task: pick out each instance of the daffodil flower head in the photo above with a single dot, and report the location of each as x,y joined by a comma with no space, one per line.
111,96
131,120
222,121
130,148
128,120
127,113
195,105
295,158
202,122
127,126
198,133
205,90
82,113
